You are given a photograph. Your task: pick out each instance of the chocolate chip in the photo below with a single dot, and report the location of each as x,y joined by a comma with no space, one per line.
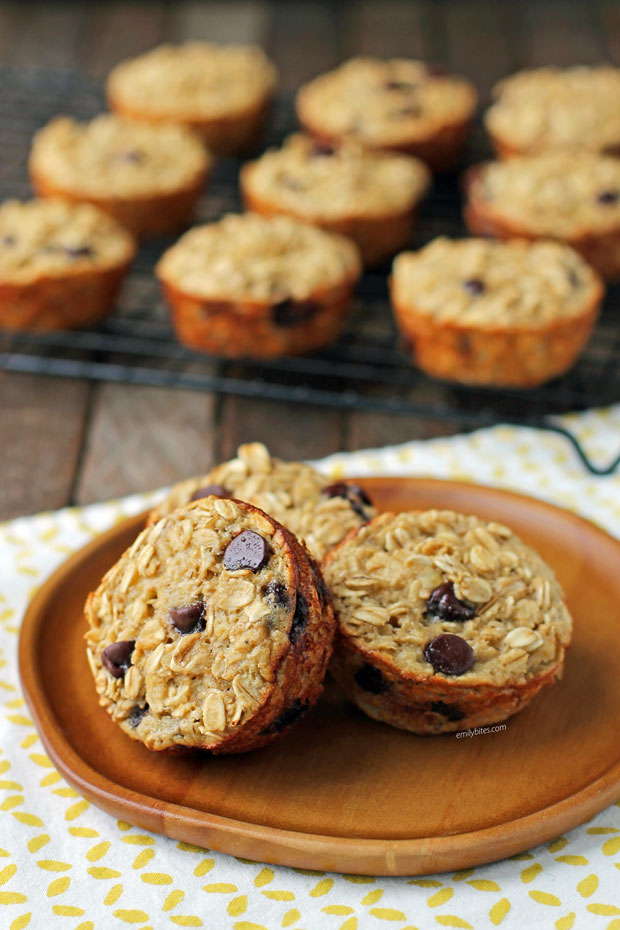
189,618
321,587
356,495
608,197
322,149
247,550
132,156
573,278
211,490
137,714
370,679
474,286
402,86
276,592
289,716
449,654
7,241
117,657
300,619
78,251
413,109
290,312
444,604
449,711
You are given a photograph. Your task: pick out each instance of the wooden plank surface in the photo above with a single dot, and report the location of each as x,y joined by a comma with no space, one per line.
105,440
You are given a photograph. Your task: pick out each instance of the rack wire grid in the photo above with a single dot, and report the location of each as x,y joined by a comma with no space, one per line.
366,369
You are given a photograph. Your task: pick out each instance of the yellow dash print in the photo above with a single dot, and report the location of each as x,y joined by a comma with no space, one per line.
35,844
7,873
451,920
21,721
143,859
373,896
220,888
4,853
187,920
41,759
588,886
484,884
12,897
499,911
440,897
265,876
611,847
10,785
66,910
97,852
186,847
359,879
58,886
203,867
605,910
14,801
76,809
20,923
614,924
424,882
113,895
239,906
100,871
83,831
572,860
322,887
341,910
65,792
156,878
387,913
88,925
131,916
175,897
31,820
123,825
291,917
4,766
566,922
543,897
596,831
137,839
349,924
529,874
29,740
461,876
53,865
246,925
558,844
50,779
16,702
279,895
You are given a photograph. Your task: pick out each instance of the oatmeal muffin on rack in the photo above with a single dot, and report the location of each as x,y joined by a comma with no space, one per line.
319,511
556,109
398,104
572,198
487,312
444,621
250,285
371,197
61,264
212,631
222,91
148,177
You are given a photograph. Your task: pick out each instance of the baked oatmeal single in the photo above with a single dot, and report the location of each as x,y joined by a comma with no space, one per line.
482,311
556,109
148,177
371,197
250,285
61,264
572,198
444,621
319,511
213,631
221,91
397,104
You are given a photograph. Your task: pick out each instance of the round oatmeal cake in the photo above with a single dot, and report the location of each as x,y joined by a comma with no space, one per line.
221,91
319,511
213,631
148,177
398,104
61,264
444,621
574,198
251,285
369,196
568,109
483,311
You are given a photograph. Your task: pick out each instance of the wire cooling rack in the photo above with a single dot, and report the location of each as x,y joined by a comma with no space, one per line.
365,370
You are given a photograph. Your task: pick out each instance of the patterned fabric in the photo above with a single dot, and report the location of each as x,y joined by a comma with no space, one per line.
65,864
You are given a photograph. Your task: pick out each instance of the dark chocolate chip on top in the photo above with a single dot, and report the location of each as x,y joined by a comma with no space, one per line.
445,605
189,618
117,657
211,490
474,286
449,654
356,495
247,550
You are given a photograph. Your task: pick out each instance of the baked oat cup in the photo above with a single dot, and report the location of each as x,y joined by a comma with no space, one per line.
213,631
372,197
148,177
556,109
259,286
479,311
444,621
398,104
221,91
61,264
571,198
317,510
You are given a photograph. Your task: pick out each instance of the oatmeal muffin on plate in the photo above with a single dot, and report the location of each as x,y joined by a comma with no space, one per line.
148,177
371,197
319,511
444,621
211,632
397,104
250,285
61,264
556,109
482,311
221,91
572,198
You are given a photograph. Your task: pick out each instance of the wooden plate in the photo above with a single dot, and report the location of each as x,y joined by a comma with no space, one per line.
343,793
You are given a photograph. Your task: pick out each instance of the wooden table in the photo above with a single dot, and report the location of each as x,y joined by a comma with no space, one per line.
68,441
